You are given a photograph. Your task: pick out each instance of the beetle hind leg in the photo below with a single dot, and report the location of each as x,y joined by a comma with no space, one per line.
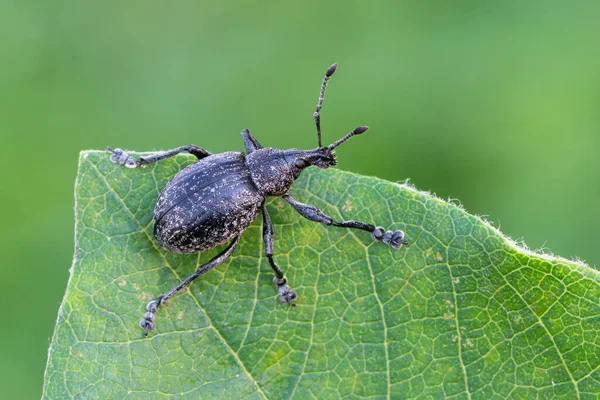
148,322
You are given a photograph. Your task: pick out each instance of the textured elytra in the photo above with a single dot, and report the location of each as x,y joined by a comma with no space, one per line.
459,313
206,204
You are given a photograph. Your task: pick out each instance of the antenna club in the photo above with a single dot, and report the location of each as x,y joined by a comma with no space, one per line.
360,129
331,70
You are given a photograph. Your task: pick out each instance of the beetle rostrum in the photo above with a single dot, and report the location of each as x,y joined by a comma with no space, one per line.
214,200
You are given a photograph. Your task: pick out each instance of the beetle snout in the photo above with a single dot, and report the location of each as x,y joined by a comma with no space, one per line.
322,158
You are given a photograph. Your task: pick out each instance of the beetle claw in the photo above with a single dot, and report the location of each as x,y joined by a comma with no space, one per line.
120,156
286,294
147,323
394,239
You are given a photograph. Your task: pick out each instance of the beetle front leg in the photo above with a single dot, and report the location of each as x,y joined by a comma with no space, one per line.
286,294
147,323
120,156
395,239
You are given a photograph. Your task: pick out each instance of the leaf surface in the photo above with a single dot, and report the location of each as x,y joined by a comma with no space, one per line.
462,312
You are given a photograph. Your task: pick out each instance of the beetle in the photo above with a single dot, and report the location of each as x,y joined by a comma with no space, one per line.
214,200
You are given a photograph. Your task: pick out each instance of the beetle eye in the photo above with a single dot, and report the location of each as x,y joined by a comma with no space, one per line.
300,163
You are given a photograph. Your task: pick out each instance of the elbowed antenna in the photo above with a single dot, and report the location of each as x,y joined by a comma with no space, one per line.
355,131
316,115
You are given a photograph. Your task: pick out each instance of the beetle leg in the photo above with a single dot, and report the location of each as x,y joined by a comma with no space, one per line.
250,141
147,323
120,156
395,239
286,294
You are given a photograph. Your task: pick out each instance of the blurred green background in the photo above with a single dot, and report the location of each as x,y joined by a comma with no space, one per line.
494,103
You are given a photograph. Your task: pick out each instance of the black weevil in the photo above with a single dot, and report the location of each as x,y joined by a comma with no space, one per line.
215,199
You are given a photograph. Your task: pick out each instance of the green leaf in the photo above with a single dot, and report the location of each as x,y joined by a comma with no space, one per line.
461,312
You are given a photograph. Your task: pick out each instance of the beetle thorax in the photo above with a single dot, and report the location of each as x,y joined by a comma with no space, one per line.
270,172
273,170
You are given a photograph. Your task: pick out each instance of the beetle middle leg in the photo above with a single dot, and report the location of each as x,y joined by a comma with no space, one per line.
286,294
147,323
120,156
395,239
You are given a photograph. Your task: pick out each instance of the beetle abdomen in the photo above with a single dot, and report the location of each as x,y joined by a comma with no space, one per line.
206,204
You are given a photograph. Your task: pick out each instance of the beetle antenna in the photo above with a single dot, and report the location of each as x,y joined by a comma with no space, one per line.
355,131
316,115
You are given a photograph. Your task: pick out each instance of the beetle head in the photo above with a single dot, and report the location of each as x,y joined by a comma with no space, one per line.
273,170
298,160
322,157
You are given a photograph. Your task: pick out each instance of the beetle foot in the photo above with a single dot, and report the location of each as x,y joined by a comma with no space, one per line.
120,156
147,323
286,294
394,239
